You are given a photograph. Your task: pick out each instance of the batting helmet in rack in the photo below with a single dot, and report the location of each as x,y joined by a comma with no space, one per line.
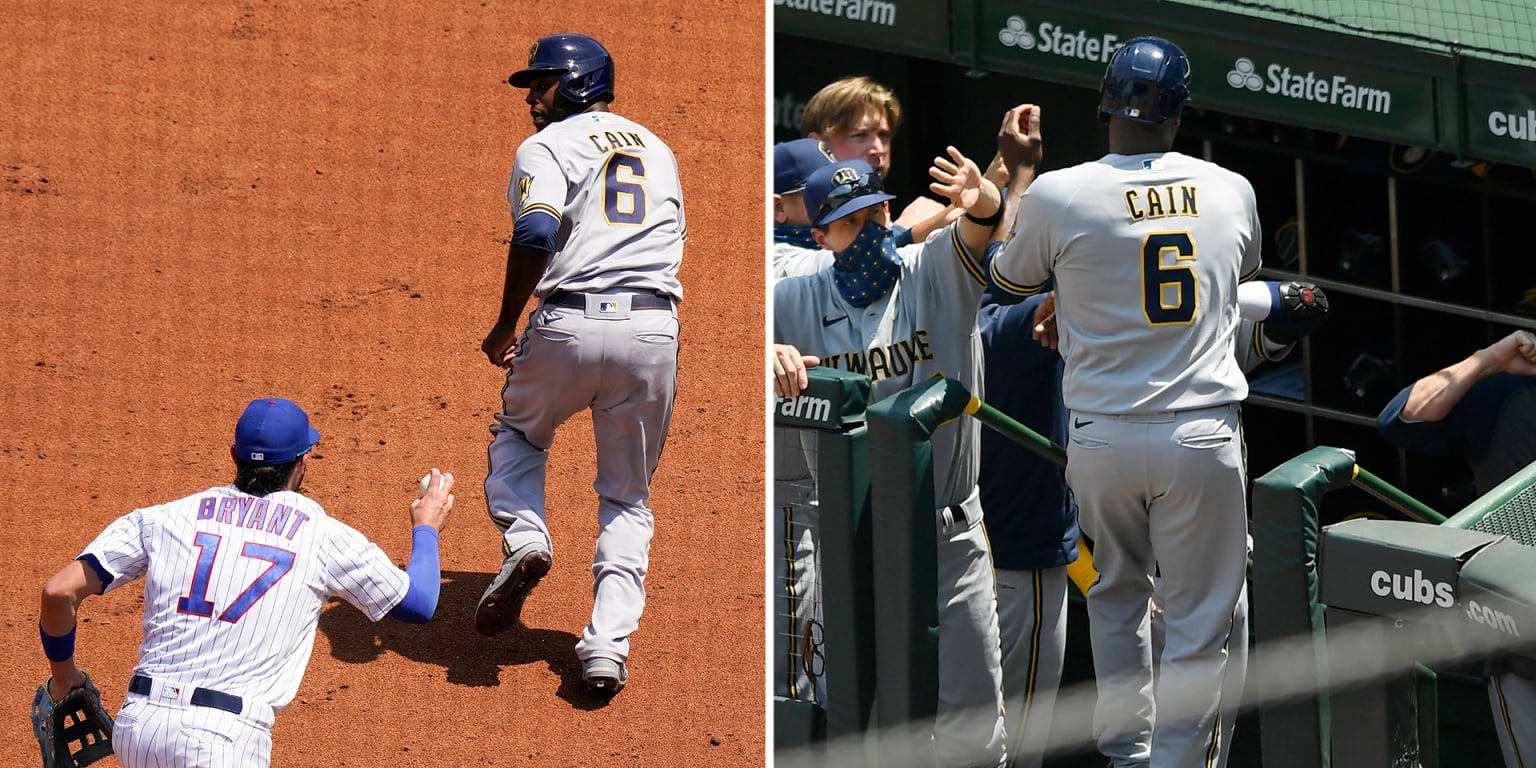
584,66
1147,80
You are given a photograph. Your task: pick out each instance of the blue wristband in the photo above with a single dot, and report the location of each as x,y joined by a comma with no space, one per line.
57,648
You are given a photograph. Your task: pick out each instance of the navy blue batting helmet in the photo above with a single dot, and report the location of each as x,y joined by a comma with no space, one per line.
1147,80
584,66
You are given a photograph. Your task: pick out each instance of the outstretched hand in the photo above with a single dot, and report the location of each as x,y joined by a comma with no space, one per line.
957,179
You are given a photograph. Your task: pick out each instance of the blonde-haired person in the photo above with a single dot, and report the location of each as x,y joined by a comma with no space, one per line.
857,118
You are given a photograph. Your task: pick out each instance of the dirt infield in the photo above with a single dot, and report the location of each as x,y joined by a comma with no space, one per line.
220,201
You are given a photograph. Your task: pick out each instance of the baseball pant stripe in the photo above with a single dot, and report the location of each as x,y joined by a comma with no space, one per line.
1037,581
1031,615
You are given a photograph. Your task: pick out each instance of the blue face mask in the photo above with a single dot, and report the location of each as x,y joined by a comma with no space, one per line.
868,268
795,234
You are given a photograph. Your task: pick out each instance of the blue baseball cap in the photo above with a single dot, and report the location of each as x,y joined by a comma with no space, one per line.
273,431
840,189
793,161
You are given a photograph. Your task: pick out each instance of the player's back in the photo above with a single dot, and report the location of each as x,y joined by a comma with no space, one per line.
234,587
1149,251
622,219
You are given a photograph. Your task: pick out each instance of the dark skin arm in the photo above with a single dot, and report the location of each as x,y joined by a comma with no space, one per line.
1019,148
524,267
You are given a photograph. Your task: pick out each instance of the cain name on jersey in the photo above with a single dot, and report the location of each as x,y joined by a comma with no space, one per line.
884,362
611,140
1158,203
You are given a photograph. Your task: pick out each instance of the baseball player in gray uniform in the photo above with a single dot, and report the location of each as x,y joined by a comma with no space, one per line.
1147,248
795,647
901,317
794,248
1031,518
234,580
598,231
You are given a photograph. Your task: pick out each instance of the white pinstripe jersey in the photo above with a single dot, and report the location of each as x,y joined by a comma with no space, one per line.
924,326
614,188
1147,252
234,584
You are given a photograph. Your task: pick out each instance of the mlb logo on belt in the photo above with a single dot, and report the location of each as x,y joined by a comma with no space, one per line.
607,307
170,692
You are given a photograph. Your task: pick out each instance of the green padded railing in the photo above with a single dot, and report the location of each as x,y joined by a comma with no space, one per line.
1509,509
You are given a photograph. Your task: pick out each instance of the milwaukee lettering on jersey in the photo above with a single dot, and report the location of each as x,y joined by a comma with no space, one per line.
252,512
884,362
1413,589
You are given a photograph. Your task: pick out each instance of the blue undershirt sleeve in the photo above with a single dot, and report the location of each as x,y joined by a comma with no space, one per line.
537,228
426,575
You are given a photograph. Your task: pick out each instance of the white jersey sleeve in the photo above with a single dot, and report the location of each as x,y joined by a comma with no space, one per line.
538,186
791,260
1023,265
119,550
358,571
614,188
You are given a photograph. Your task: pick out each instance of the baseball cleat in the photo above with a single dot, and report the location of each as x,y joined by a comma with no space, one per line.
604,675
502,604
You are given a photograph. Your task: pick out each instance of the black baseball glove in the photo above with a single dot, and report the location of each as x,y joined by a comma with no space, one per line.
1304,308
73,731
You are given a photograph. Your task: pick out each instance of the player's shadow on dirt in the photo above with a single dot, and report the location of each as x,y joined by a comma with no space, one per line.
450,641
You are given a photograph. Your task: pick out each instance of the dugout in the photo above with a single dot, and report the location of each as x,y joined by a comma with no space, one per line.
1391,148
1407,204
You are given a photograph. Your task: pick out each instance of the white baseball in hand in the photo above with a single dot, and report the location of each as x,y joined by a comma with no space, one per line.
426,482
